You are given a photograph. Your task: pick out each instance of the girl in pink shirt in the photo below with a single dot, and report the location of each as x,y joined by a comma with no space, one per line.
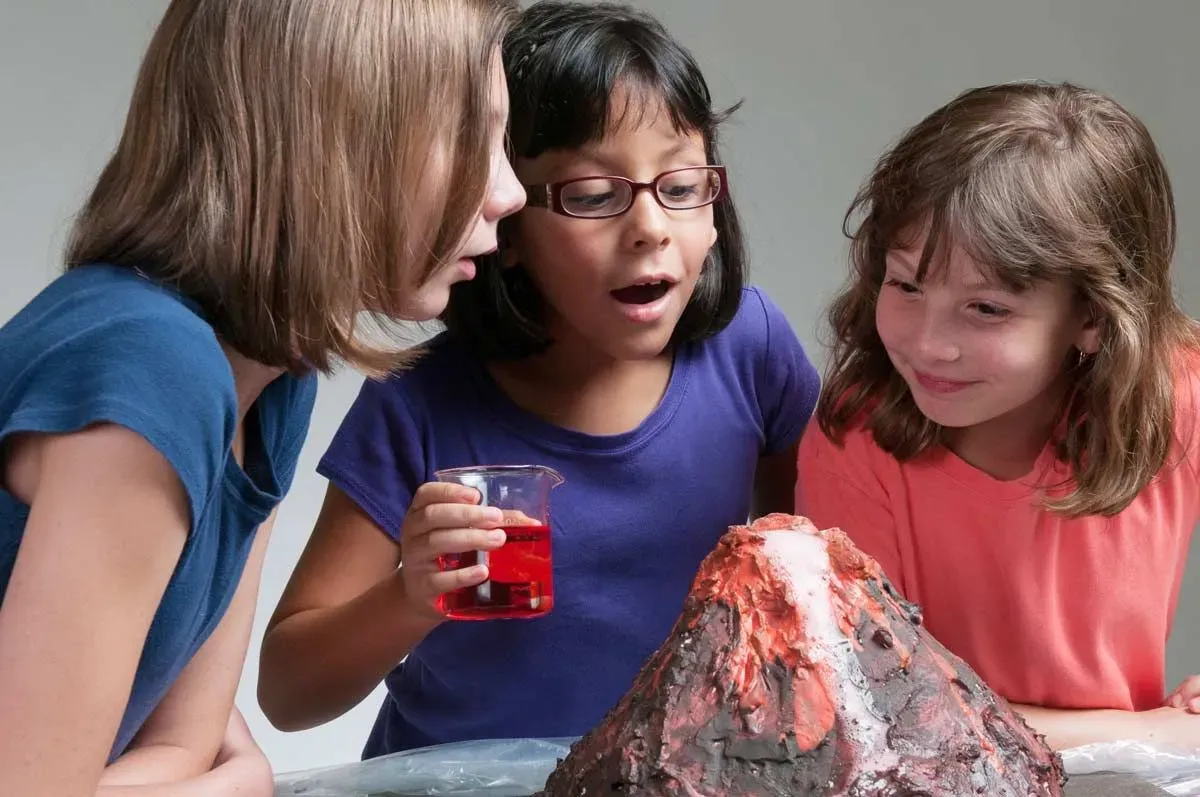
1008,421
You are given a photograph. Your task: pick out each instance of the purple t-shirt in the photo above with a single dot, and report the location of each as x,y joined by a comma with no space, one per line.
630,525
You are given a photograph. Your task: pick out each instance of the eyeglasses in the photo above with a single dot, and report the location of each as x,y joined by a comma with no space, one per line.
604,197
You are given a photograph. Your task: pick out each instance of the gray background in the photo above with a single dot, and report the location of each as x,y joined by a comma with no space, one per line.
827,85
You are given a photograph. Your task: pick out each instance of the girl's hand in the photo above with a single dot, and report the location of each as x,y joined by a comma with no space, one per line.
1186,696
443,520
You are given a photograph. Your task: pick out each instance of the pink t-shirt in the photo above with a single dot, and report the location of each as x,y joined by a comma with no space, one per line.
1049,611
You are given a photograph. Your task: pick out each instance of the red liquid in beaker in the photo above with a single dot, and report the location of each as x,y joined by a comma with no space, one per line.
519,579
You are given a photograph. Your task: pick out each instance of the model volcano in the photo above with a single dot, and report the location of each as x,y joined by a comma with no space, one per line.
796,669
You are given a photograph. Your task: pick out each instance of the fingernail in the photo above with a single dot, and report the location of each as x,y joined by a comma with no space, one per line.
1194,705
496,535
493,515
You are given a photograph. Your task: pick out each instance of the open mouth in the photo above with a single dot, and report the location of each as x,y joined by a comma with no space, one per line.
642,293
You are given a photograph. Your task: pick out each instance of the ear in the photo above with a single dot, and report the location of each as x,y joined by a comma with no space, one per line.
1088,339
712,238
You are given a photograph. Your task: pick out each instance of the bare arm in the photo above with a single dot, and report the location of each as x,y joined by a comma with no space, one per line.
340,625
775,483
108,520
1066,728
239,769
348,615
185,734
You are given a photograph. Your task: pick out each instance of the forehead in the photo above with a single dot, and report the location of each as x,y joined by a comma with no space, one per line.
948,262
640,139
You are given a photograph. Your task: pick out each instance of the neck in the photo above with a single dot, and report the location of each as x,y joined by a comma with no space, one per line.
1007,447
250,378
580,388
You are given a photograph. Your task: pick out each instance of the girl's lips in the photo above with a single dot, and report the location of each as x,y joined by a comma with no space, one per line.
939,385
466,268
645,312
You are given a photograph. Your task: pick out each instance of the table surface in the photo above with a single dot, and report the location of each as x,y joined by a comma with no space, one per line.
1110,786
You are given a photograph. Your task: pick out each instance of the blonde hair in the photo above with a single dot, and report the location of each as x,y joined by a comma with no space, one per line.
293,165
1035,182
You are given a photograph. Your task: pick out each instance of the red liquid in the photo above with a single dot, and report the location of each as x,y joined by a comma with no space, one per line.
519,579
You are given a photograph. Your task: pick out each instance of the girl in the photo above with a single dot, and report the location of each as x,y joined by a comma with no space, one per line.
1009,422
156,395
611,340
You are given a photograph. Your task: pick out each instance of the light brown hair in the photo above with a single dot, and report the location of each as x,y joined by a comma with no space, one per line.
292,166
1035,182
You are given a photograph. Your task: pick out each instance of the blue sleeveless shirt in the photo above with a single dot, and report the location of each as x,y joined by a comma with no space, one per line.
103,344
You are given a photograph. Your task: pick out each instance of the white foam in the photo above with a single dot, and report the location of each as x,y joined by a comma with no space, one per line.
802,561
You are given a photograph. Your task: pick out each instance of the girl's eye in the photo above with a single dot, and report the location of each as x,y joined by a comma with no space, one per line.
991,311
903,287
590,201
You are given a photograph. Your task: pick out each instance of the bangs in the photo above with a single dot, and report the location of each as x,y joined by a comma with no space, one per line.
1006,215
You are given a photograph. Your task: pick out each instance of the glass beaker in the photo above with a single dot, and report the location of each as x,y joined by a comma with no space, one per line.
520,573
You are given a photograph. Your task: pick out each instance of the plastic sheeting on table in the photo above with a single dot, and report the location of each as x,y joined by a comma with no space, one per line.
1175,771
491,768
519,768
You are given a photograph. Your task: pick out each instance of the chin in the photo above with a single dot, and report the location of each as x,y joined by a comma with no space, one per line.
427,305
949,417
642,347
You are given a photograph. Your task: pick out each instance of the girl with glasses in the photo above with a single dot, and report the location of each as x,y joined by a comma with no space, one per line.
610,338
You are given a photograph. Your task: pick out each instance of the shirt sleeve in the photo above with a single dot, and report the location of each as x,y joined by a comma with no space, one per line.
788,384
377,457
160,374
835,488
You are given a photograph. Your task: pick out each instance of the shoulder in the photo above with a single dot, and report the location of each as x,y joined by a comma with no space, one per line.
755,321
854,454
107,317
1187,406
760,334
392,416
760,354
429,385
100,344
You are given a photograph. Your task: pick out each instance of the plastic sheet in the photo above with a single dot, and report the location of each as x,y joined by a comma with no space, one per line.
519,768
1175,771
491,768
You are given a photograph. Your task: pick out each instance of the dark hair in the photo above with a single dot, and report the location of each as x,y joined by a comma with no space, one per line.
563,61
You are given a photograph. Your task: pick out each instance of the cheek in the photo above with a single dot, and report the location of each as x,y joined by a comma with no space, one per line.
888,322
550,247
1020,353
696,241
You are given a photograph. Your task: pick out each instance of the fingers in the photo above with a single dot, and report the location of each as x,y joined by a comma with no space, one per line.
1186,695
444,541
442,493
431,516
450,580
